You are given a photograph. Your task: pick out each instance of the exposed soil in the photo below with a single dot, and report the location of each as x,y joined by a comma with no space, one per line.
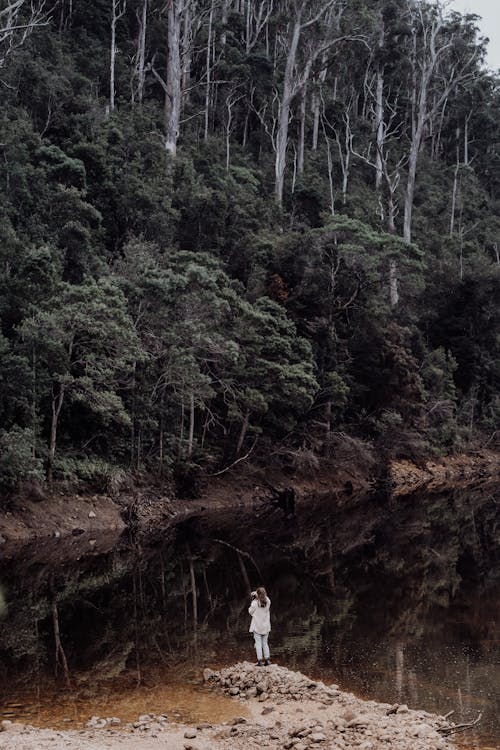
405,477
99,519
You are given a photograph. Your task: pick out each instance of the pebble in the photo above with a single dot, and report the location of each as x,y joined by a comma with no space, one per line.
190,734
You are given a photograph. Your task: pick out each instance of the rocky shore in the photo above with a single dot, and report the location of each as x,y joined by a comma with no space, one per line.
275,708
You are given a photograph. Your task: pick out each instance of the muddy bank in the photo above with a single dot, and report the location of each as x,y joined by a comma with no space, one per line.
405,477
277,708
147,510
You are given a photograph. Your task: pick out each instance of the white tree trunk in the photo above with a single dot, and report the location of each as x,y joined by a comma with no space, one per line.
208,71
141,51
284,113
173,91
379,124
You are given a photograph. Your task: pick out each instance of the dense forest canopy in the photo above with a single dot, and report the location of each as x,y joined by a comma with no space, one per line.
234,227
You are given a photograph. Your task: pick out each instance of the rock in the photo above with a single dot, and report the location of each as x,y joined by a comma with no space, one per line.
190,734
113,721
263,697
267,710
208,674
349,715
92,542
317,737
5,725
57,534
92,514
238,720
251,692
234,691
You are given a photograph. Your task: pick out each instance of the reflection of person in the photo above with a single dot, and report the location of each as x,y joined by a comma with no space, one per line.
261,624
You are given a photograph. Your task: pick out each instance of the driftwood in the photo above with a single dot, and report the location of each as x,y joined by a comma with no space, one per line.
460,727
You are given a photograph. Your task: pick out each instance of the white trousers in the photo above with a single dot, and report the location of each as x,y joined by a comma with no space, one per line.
261,646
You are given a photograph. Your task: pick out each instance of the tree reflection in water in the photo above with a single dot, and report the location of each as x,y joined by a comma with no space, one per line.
397,600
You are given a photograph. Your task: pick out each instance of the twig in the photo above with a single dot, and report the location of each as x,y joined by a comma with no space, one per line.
242,458
461,727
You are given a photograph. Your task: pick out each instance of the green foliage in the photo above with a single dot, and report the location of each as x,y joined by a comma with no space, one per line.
168,315
17,458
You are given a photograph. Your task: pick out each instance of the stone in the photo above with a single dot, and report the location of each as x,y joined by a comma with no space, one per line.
349,715
92,514
190,734
267,710
317,737
263,697
208,674
238,720
234,691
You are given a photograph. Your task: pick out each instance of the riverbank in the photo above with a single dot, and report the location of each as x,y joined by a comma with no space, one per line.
275,708
145,510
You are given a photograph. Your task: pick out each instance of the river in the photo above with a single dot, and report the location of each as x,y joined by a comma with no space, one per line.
393,599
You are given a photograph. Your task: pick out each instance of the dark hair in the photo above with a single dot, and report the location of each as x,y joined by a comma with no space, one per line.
261,596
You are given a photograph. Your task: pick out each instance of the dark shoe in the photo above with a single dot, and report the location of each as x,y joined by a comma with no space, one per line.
260,663
267,662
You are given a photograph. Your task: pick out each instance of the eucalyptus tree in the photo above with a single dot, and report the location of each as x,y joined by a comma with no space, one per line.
439,64
18,19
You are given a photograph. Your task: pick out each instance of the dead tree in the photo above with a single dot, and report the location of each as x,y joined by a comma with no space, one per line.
118,8
17,21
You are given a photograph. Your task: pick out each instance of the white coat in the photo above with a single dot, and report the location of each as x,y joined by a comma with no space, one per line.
261,617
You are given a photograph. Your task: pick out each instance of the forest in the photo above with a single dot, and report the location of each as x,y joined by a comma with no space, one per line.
244,229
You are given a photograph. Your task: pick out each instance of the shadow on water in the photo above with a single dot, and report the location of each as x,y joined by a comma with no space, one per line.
394,600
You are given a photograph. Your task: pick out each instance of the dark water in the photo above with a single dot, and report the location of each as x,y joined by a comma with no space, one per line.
396,600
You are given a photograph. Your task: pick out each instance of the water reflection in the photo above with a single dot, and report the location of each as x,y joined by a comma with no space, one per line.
393,600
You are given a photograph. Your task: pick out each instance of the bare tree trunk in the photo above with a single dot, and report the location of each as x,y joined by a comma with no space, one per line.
316,102
136,633
173,88
181,436
393,283
118,8
302,131
454,190
57,402
60,656
141,51
243,432
244,572
379,124
226,4
208,71
191,426
284,113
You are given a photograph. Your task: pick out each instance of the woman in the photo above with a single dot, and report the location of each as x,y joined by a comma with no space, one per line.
261,624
